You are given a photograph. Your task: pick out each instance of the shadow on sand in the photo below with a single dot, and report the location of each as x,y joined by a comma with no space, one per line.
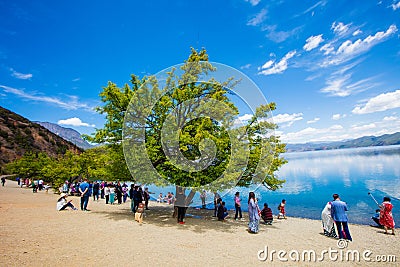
197,220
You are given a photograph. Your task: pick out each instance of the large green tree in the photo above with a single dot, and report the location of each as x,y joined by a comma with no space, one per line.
183,126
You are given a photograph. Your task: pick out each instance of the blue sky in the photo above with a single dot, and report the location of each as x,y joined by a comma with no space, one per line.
332,67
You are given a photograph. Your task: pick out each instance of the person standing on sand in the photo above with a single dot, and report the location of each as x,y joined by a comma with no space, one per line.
112,193
253,210
118,191
137,198
3,181
102,185
107,192
96,188
338,213
386,217
124,192
131,193
181,205
328,224
85,194
238,207
146,197
216,202
203,196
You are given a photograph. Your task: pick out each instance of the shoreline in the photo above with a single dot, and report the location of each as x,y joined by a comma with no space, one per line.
198,208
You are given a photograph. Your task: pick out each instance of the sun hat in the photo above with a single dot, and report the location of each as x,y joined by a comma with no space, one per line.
63,195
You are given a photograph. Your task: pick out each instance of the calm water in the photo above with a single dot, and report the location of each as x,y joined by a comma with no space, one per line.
312,178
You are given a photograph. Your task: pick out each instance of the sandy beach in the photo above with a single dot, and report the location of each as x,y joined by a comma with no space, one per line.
34,233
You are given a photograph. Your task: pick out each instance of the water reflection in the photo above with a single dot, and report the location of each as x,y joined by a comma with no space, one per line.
312,178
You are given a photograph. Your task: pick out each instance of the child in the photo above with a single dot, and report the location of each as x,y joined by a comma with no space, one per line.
238,208
139,213
386,216
266,214
281,209
160,198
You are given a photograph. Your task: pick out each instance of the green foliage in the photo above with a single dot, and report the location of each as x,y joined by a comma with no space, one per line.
103,163
194,134
31,165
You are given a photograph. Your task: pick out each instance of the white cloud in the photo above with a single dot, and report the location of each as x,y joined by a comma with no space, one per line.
278,36
253,2
320,3
313,42
387,125
241,120
338,116
313,77
71,104
340,82
349,49
311,134
380,102
340,28
342,86
21,76
279,67
390,118
327,48
76,79
267,64
396,5
313,121
287,119
75,122
258,19
357,32
363,127
247,66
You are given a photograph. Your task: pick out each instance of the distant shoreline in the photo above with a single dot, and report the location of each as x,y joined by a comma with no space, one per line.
345,148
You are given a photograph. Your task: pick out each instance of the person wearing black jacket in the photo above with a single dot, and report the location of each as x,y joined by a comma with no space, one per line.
118,192
131,193
96,188
222,211
137,198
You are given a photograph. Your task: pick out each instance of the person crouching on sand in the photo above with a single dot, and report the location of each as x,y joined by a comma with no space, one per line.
266,214
63,204
281,209
222,212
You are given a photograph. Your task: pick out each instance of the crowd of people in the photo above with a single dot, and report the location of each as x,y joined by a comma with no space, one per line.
36,185
334,217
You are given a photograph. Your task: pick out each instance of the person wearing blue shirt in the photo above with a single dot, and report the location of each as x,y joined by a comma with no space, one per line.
85,194
338,212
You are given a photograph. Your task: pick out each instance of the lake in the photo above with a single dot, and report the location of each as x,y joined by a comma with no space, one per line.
312,178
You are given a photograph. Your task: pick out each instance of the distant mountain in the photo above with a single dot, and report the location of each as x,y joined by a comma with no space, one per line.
19,135
66,133
365,141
